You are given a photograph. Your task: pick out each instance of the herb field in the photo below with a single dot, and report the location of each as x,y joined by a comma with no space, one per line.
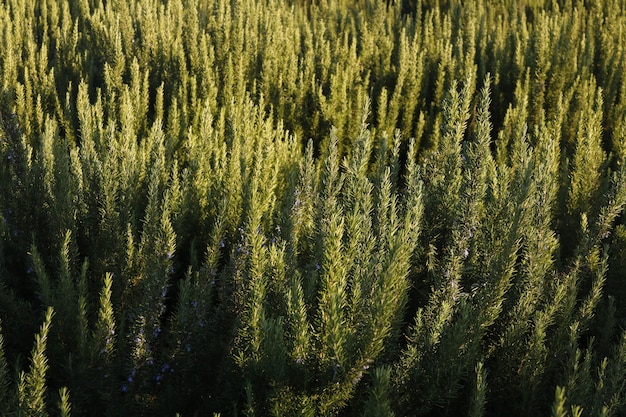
312,208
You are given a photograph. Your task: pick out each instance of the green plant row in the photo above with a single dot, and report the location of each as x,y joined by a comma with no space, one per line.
268,207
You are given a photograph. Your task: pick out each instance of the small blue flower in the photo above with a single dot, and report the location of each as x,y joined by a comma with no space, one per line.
188,347
194,304
222,243
318,266
165,367
124,389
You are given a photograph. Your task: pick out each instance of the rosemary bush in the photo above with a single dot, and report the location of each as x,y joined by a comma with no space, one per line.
280,207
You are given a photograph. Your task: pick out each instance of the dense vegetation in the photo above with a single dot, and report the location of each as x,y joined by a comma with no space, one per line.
317,207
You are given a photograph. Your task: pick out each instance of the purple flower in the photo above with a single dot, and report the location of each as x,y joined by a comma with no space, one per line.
194,304
124,389
222,243
165,367
318,266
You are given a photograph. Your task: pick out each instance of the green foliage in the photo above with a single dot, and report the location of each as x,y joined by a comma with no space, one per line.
32,384
246,207
65,407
